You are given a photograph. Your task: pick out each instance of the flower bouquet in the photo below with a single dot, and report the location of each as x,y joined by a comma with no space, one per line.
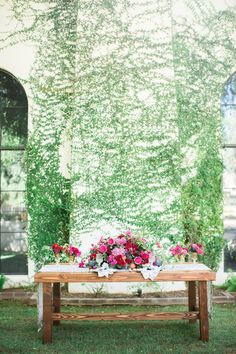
57,250
72,252
122,252
195,249
179,251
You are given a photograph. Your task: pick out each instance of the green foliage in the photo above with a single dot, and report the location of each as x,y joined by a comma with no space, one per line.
2,280
202,208
51,81
230,283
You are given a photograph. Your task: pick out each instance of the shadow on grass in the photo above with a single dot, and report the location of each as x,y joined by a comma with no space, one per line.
18,333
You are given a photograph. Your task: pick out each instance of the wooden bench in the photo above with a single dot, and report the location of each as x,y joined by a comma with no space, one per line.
51,297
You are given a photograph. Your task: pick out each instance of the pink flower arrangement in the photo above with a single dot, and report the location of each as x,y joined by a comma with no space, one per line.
196,247
69,250
179,250
57,248
123,251
74,251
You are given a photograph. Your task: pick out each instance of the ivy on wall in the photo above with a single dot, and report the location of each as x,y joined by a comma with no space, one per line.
140,84
52,28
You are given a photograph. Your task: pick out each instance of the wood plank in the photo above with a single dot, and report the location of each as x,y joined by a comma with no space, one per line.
203,311
47,313
192,298
91,277
135,316
56,300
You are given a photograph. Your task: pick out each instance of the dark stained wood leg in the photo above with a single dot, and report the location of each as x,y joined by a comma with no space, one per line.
192,298
56,301
203,311
47,313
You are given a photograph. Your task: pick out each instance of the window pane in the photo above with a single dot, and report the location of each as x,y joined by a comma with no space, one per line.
13,222
229,126
12,170
13,253
228,108
13,216
13,203
230,229
229,176
14,126
229,179
13,263
13,111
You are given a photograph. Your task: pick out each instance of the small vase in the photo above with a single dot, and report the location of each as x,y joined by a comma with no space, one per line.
194,257
71,259
57,258
180,258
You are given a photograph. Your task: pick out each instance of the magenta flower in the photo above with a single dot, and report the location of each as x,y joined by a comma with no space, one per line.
196,247
111,241
102,248
121,241
82,264
74,251
110,258
138,260
113,263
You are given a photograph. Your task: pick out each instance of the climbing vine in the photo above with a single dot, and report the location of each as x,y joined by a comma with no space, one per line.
140,84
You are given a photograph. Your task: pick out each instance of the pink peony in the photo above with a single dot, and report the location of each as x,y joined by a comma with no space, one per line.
110,259
102,248
118,252
138,260
121,241
113,263
128,233
111,241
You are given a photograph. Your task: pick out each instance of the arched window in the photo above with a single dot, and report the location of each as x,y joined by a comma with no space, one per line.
13,138
228,109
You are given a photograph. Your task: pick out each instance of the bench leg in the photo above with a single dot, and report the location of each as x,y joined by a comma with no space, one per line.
47,312
192,304
203,311
56,300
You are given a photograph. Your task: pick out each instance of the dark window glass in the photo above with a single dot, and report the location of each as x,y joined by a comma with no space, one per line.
228,108
13,138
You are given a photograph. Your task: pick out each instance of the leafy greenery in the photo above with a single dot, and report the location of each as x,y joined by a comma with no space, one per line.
158,337
2,280
143,106
230,283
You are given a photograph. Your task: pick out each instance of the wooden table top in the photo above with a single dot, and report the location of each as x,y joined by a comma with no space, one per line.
86,276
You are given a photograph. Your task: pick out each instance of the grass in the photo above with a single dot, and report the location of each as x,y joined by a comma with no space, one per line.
18,333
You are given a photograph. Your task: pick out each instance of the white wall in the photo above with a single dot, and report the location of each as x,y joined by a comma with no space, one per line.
18,60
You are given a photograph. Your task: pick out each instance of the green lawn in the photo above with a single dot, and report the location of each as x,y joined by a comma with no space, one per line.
18,333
